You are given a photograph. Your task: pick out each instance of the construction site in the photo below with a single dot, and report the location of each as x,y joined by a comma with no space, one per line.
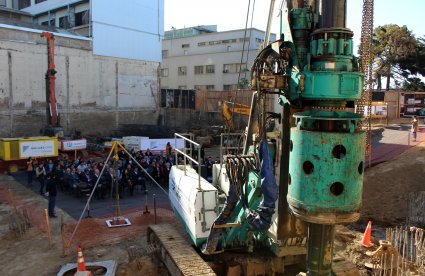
113,163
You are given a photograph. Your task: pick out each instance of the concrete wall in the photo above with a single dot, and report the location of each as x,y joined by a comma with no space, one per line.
95,94
393,100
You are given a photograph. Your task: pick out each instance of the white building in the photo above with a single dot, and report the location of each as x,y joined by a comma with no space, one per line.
202,58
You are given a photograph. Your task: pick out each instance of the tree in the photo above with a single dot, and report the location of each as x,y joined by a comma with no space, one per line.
243,82
415,63
414,84
392,46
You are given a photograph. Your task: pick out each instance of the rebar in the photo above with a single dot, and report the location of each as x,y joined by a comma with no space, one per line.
408,257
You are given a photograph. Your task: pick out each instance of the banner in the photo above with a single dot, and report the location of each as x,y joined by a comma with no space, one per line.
71,145
133,142
160,144
37,149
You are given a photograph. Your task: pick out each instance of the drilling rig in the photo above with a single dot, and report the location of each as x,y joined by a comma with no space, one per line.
301,169
53,127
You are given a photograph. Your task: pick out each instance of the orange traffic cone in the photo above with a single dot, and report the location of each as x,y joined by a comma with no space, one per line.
81,267
367,234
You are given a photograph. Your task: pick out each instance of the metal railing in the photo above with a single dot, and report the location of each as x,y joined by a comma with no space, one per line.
187,155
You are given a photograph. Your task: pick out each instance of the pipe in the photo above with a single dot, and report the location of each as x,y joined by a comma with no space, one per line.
320,249
269,25
333,13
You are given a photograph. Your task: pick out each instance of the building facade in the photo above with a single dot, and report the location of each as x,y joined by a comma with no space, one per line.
103,82
201,58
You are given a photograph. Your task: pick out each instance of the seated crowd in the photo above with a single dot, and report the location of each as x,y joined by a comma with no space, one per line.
79,177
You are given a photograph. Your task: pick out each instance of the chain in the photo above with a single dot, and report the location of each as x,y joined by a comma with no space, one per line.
366,67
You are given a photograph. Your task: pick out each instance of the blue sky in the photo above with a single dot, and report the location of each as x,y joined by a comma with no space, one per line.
231,14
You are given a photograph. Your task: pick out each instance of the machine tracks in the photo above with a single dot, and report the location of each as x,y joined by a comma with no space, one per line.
175,252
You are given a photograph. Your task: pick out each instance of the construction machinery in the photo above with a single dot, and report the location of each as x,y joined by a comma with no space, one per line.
53,127
301,169
230,108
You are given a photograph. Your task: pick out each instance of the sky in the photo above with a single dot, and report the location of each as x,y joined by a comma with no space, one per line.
231,14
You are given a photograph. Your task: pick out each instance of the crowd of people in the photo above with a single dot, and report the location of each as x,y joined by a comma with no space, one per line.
79,177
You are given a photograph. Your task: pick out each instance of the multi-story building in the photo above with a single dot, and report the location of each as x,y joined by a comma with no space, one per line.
203,59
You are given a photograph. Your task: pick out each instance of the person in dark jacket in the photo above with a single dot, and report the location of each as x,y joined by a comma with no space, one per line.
51,189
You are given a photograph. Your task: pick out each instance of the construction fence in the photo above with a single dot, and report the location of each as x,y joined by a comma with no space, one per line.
206,101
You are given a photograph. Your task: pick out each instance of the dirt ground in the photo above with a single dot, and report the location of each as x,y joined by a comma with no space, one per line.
387,186
385,194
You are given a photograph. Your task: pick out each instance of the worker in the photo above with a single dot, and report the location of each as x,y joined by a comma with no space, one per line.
168,150
40,173
52,191
415,127
30,170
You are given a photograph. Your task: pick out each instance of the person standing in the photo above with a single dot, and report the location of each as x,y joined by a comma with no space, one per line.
415,127
40,173
30,170
51,189
168,150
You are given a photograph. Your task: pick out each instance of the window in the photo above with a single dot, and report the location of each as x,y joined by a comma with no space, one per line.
200,87
228,87
233,68
164,72
210,69
82,18
181,71
2,3
199,70
64,22
22,4
47,23
164,53
202,43
210,87
185,45
39,1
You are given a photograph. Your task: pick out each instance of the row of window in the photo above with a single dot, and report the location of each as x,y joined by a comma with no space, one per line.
207,69
211,87
224,41
216,42
69,21
22,4
186,52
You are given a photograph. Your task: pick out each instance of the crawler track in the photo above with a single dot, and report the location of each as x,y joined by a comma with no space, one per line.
176,253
